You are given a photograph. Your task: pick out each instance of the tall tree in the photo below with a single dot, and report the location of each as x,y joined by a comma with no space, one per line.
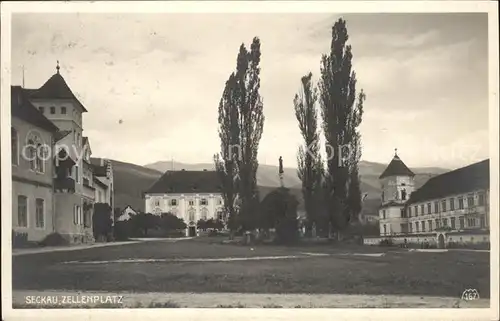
341,111
308,157
251,122
226,161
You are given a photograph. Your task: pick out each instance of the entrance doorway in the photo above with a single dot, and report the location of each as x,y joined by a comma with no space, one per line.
192,231
441,241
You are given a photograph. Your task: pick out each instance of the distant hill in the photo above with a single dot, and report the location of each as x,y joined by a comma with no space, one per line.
132,180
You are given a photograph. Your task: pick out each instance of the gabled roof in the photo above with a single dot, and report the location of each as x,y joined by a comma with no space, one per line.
396,168
460,181
22,108
187,182
55,88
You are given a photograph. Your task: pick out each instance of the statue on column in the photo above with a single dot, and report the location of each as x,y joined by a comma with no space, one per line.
281,170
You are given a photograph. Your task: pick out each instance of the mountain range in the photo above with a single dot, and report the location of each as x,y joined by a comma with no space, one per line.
132,180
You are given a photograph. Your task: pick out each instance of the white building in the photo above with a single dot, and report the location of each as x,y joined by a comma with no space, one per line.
451,207
190,195
126,214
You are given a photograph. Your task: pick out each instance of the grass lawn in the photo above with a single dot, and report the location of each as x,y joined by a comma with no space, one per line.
398,272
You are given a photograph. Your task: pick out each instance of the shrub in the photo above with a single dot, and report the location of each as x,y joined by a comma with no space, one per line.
54,239
386,242
19,239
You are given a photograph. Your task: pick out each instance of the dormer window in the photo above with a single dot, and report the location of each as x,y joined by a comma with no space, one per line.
204,201
41,109
52,110
63,110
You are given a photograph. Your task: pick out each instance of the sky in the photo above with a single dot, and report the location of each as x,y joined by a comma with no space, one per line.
152,82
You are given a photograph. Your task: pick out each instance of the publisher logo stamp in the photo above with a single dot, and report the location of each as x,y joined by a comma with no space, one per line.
470,295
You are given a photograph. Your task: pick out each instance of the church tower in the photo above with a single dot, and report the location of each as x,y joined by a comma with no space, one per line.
397,183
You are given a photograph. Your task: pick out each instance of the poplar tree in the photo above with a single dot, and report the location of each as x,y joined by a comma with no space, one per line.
341,110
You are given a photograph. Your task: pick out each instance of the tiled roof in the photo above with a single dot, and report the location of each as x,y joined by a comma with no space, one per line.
397,168
187,182
55,88
23,109
459,181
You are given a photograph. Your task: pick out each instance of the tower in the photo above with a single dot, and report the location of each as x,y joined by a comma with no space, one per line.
397,183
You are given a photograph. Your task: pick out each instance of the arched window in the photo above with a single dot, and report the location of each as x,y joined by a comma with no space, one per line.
204,214
14,146
40,155
191,215
32,154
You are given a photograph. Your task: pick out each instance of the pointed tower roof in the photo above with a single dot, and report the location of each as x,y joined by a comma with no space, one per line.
56,88
396,168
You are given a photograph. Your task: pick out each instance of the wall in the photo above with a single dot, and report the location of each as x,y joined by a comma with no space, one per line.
32,184
33,192
65,224
463,238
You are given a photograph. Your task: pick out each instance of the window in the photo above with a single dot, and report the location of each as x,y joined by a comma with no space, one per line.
52,110
422,208
461,203
41,109
423,226
22,211
429,210
452,221
383,214
416,210
462,222
429,222
40,155
482,221
14,146
403,194
173,202
75,215
32,154
77,174
403,212
471,222
437,223
63,110
409,211
417,229
480,199
436,207
470,200
219,201
452,204
445,222
191,215
385,229
204,214
157,202
191,202
203,201
443,206
40,217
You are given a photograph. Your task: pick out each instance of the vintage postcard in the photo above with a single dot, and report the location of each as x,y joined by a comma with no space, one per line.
270,160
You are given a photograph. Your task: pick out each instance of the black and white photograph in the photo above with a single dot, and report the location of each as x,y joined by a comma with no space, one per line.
244,157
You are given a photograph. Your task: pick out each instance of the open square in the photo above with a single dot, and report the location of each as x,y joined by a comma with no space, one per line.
204,265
